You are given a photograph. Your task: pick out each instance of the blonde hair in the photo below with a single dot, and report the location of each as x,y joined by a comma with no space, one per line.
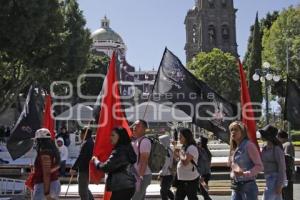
242,127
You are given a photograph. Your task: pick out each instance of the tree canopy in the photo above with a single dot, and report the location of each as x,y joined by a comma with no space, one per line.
282,42
42,41
219,70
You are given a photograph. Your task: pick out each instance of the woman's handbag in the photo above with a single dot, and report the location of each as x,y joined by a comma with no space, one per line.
236,186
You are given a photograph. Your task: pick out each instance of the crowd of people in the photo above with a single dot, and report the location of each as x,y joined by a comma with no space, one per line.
187,167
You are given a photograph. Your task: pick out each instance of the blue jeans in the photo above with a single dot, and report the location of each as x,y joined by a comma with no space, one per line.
248,191
270,190
38,190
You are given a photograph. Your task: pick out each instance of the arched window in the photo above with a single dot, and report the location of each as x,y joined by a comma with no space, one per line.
194,34
212,34
225,32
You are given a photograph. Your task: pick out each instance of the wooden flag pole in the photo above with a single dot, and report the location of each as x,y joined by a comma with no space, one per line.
84,137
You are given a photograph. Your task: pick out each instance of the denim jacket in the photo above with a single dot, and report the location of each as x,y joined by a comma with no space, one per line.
241,157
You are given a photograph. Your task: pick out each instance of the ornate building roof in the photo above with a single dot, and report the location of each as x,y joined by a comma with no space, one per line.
105,33
106,40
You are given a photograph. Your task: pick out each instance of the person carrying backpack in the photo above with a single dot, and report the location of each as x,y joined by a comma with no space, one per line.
165,174
187,173
142,148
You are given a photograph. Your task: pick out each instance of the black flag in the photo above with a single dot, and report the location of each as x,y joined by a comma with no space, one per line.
176,85
292,104
20,141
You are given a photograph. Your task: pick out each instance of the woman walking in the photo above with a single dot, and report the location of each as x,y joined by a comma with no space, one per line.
187,174
46,167
274,164
120,180
245,163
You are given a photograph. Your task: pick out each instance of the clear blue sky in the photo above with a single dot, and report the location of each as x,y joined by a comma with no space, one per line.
148,26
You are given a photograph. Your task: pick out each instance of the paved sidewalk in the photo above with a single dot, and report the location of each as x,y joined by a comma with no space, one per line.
152,192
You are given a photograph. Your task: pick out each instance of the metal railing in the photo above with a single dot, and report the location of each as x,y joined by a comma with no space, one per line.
11,187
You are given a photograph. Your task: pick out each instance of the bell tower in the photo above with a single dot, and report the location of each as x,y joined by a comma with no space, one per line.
210,24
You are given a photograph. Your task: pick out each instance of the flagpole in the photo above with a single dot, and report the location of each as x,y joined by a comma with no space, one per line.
84,137
154,83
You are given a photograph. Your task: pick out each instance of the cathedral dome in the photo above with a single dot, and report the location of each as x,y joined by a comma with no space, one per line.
106,34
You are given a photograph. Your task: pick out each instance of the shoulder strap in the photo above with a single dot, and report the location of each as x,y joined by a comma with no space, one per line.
192,161
139,148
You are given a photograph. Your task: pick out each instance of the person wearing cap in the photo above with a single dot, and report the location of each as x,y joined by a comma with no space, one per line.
142,148
204,163
274,163
46,167
245,163
289,151
81,165
64,153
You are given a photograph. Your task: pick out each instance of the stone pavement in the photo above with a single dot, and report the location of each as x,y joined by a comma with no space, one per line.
152,192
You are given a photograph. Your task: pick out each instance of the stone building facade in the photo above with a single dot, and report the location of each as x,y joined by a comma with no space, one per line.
210,24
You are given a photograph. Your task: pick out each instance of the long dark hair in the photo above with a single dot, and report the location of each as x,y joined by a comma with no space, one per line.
124,140
188,135
123,136
46,145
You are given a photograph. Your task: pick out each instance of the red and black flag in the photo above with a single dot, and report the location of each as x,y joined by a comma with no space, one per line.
292,104
21,138
176,86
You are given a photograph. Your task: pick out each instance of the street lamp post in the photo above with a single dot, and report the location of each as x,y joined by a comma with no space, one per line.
265,75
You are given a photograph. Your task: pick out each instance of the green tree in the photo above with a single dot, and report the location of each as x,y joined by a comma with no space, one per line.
253,56
92,85
42,41
78,41
219,71
255,87
282,40
29,34
264,24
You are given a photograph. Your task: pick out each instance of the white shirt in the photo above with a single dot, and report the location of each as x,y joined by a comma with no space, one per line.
188,172
64,153
145,147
